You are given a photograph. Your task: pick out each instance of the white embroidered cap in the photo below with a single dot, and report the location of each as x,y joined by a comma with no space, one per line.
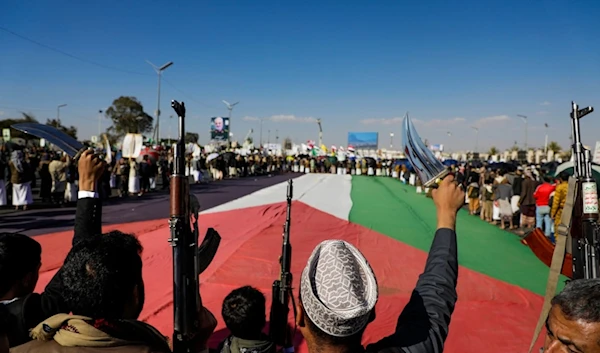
338,288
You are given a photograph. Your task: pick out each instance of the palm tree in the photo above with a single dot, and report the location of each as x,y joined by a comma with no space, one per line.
493,151
554,147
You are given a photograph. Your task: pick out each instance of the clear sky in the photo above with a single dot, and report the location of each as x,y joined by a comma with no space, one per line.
357,65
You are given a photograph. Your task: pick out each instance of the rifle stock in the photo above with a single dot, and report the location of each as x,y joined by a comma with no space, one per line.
189,260
279,331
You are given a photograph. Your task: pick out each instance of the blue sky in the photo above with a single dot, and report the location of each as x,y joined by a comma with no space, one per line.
357,65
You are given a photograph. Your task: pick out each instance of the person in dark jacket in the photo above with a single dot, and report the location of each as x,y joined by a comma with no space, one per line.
527,202
4,325
103,287
244,315
338,292
29,310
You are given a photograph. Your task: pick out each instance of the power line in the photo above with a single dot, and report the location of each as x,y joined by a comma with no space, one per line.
187,95
21,108
96,64
71,55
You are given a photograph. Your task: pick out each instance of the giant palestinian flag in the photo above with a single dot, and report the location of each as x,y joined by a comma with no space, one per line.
500,285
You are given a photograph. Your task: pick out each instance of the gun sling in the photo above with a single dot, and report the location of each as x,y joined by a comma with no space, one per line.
562,235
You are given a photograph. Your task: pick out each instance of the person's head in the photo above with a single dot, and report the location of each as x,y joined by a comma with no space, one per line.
20,261
574,319
219,124
547,179
338,293
563,176
102,277
244,312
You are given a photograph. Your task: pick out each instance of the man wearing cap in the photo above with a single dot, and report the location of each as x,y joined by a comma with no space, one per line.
338,292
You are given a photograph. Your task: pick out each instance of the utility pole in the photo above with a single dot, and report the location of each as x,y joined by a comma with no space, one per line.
524,117
159,70
476,138
268,137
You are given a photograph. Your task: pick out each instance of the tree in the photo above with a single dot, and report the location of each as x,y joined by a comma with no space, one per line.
249,140
554,147
71,131
514,148
7,123
493,151
191,137
287,143
128,116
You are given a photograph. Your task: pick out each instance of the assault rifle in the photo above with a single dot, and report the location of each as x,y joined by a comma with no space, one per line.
585,227
578,230
279,332
189,260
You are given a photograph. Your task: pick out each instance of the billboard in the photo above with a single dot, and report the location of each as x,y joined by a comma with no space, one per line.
363,140
219,128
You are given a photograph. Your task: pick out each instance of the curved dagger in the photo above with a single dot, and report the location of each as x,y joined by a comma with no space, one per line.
428,168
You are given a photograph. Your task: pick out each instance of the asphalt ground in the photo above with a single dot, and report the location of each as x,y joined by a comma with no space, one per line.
45,219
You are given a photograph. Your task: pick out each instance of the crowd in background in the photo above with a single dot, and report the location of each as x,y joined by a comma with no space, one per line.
521,200
517,200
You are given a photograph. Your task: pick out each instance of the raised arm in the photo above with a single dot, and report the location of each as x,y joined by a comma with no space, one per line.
27,312
422,326
88,217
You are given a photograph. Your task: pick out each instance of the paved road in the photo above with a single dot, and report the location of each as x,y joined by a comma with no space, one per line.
133,209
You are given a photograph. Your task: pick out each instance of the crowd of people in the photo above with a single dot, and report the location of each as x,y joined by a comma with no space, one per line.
519,200
93,301
50,175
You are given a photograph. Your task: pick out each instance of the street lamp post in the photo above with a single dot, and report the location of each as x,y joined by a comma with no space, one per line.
261,125
391,140
230,108
546,141
99,123
524,117
58,111
159,70
476,138
170,122
320,132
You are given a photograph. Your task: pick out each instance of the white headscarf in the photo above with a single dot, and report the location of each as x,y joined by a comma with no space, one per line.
17,160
